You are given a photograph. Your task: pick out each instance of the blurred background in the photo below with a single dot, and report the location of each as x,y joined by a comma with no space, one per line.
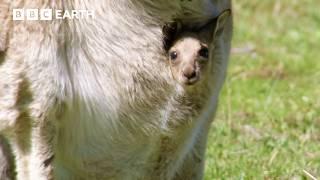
268,121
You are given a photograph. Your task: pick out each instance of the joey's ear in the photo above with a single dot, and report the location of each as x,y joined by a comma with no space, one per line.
170,32
221,21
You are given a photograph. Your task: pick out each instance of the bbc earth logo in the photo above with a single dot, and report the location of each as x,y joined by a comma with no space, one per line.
50,14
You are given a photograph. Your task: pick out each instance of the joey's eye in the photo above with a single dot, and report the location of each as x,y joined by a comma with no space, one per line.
173,55
204,52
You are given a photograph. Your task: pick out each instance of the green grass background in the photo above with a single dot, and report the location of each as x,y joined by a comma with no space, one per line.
268,121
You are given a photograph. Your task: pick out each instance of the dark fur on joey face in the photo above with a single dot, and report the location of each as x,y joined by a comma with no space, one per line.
188,57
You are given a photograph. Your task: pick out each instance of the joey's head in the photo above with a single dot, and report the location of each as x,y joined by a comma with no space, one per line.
188,58
188,47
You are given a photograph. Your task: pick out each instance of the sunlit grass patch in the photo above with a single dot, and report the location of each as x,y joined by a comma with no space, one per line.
268,122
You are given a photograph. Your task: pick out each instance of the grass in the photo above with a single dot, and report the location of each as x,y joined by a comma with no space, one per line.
268,122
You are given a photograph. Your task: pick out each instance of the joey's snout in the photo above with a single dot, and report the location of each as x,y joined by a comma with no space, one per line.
190,74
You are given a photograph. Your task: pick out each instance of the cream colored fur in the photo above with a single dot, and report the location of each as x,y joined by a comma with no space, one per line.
5,25
94,98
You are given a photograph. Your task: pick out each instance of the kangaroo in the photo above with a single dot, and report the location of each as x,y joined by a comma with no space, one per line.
93,98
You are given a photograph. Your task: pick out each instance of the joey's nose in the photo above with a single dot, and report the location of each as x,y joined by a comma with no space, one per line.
189,72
